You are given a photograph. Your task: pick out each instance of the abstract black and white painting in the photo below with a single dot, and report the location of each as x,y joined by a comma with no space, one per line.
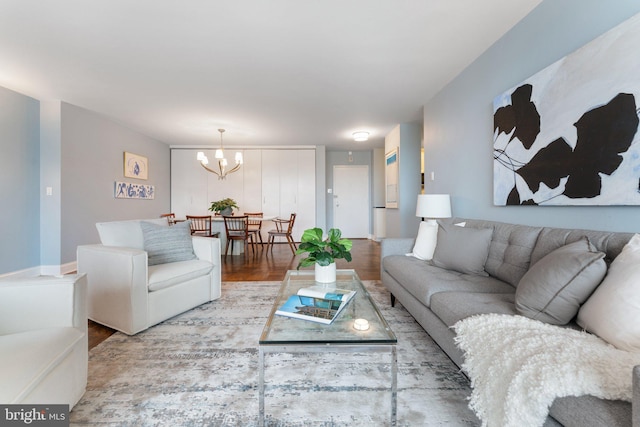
569,134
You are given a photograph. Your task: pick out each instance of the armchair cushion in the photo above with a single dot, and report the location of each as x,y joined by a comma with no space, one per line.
164,275
125,234
43,339
167,244
28,357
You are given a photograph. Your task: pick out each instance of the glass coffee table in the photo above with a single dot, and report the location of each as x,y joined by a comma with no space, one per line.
288,335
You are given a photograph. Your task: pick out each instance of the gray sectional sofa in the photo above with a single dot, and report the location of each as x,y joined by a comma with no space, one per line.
438,297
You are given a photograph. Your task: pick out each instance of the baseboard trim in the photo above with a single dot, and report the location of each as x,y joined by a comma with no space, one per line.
42,270
55,270
27,272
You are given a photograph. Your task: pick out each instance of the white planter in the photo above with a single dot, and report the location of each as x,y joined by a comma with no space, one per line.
326,274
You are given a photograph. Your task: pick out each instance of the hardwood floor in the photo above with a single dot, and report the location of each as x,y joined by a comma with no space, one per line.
263,267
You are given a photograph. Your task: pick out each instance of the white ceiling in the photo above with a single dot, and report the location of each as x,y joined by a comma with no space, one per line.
272,72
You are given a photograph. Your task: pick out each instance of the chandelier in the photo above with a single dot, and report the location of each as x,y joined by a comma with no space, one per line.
222,171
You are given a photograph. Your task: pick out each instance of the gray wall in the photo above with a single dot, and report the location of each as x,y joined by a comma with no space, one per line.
458,122
93,147
402,221
79,155
19,181
50,204
321,187
378,178
337,158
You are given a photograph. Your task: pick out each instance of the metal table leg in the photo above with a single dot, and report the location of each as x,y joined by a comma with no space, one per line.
394,385
261,387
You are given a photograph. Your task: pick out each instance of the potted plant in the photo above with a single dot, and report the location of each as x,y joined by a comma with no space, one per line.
323,253
224,206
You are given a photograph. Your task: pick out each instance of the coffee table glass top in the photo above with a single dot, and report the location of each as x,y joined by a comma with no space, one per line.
286,330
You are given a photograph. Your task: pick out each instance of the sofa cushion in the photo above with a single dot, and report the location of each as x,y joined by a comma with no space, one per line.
612,312
125,234
422,279
27,358
425,241
588,410
164,243
162,276
453,306
462,249
555,287
510,249
551,239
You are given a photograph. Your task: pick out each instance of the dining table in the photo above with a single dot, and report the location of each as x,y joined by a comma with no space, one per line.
217,225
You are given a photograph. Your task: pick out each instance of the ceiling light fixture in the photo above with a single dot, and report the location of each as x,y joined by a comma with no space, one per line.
222,161
360,136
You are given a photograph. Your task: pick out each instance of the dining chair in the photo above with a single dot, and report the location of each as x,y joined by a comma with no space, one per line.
255,225
284,228
237,228
171,217
201,226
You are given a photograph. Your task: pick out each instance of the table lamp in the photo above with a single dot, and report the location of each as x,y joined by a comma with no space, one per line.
433,206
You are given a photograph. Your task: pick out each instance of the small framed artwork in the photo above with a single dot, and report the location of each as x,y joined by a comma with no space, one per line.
391,178
133,190
135,166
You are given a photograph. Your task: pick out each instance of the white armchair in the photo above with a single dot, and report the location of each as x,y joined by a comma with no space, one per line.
43,340
127,294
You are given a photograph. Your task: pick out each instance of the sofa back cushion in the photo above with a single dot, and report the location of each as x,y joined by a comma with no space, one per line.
510,248
555,287
551,239
126,234
462,249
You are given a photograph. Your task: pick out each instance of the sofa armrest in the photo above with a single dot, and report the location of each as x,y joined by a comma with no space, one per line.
43,302
635,403
117,286
396,246
208,249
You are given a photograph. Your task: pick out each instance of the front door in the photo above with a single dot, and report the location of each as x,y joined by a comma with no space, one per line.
351,200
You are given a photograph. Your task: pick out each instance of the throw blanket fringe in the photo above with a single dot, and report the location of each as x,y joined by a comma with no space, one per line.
518,366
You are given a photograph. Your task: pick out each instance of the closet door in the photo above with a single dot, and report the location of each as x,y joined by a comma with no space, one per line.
188,183
271,182
252,170
306,192
275,182
288,182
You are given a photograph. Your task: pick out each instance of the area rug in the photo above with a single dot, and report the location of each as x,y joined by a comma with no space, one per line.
201,369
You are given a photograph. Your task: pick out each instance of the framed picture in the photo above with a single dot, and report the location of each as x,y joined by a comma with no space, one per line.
135,166
391,179
132,190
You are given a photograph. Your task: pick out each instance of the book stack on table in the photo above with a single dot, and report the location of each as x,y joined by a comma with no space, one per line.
316,303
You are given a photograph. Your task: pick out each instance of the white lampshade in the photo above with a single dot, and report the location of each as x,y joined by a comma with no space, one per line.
219,154
433,206
239,159
200,156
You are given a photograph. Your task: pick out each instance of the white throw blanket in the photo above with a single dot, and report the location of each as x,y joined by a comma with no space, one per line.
518,366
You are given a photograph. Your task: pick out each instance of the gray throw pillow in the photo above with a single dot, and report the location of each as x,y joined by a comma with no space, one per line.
166,244
462,249
555,287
